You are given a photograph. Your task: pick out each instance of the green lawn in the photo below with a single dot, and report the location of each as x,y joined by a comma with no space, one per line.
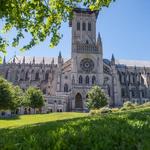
23,120
129,130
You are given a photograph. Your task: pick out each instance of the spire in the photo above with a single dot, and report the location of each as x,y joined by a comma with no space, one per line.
99,41
14,60
144,69
52,61
112,59
59,58
99,44
43,60
33,60
59,54
4,60
24,60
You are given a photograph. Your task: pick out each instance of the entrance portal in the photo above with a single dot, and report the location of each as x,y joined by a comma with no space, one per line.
78,101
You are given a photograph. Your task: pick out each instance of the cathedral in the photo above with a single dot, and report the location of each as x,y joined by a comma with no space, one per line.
66,82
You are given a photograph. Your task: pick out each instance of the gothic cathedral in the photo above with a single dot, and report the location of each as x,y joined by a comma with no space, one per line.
65,83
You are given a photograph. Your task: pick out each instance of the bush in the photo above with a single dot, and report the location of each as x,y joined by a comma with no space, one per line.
115,109
147,104
128,106
96,98
105,110
94,112
124,108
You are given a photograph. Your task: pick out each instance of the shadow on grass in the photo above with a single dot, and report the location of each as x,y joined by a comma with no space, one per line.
97,133
11,117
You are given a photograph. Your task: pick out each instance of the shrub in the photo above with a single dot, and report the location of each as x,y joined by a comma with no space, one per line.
115,109
127,106
147,104
96,98
94,112
124,108
105,110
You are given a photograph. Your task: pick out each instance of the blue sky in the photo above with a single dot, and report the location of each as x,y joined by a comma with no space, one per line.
124,28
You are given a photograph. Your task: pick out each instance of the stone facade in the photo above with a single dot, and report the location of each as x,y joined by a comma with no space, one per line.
65,83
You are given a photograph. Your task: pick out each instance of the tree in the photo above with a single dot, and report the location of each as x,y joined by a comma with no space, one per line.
18,98
34,98
6,94
96,98
39,18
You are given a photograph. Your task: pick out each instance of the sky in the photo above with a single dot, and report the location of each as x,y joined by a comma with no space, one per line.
124,27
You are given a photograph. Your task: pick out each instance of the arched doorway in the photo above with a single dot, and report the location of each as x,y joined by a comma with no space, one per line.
78,101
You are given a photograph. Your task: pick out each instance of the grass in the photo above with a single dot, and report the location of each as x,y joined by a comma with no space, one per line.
24,120
127,130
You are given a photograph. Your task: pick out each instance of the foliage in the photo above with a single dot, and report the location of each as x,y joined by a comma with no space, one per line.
126,131
11,97
34,97
115,110
127,106
6,94
39,18
100,111
96,98
105,110
18,98
94,112
147,104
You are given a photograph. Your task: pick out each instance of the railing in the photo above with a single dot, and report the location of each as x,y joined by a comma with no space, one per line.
86,48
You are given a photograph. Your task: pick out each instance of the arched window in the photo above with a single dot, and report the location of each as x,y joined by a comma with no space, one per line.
143,94
87,80
93,80
80,79
66,88
6,75
46,76
22,75
134,78
83,26
73,80
129,78
133,93
89,26
87,42
108,89
123,94
123,78
37,76
32,75
78,26
16,76
120,78
142,80
78,101
26,76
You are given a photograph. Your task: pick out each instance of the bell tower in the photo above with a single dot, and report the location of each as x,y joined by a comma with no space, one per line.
87,54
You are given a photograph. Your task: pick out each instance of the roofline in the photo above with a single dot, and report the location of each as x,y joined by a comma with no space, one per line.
85,11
